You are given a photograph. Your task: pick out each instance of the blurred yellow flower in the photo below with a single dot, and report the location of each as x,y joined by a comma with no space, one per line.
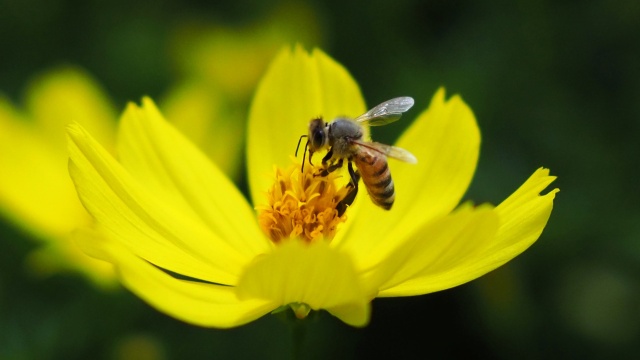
35,189
202,112
185,239
233,58
219,67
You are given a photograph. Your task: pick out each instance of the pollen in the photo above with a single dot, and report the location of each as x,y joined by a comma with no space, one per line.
303,205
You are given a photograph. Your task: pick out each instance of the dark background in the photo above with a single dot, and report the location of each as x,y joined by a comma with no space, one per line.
552,83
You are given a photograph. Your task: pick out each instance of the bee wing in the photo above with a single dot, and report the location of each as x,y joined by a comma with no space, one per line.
393,152
387,112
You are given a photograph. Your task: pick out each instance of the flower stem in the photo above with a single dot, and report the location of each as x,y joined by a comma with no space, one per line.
299,334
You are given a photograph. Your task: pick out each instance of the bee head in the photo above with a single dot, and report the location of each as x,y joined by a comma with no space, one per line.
317,134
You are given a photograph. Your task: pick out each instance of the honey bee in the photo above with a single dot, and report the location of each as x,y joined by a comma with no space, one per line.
344,139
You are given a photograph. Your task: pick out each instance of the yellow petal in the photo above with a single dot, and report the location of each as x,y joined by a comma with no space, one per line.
355,314
296,88
194,302
445,139
151,225
523,216
167,163
314,274
520,221
438,255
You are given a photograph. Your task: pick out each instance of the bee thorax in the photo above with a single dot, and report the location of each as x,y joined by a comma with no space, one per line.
341,132
344,128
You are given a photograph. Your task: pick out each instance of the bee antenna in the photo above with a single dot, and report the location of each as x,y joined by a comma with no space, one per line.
304,156
298,147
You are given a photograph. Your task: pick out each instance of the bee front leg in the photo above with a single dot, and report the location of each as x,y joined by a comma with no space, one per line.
327,157
331,168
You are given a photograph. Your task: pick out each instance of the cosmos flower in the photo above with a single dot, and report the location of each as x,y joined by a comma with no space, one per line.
186,240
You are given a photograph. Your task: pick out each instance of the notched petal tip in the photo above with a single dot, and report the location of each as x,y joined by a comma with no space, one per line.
523,217
149,106
546,179
146,101
531,189
439,96
516,224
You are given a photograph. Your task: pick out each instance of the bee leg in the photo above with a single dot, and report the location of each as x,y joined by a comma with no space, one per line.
355,175
331,168
353,191
310,154
327,157
347,201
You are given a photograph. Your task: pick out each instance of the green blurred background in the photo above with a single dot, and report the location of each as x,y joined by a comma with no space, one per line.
552,83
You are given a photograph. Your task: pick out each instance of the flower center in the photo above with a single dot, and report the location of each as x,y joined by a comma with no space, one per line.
301,204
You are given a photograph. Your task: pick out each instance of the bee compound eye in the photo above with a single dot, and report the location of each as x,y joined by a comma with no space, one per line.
318,139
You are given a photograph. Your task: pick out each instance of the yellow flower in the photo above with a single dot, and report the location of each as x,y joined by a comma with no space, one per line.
35,189
186,240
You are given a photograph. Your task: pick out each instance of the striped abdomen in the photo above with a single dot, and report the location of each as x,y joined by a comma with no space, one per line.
376,177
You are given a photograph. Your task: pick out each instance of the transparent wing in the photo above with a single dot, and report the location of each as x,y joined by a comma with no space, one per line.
393,152
387,112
